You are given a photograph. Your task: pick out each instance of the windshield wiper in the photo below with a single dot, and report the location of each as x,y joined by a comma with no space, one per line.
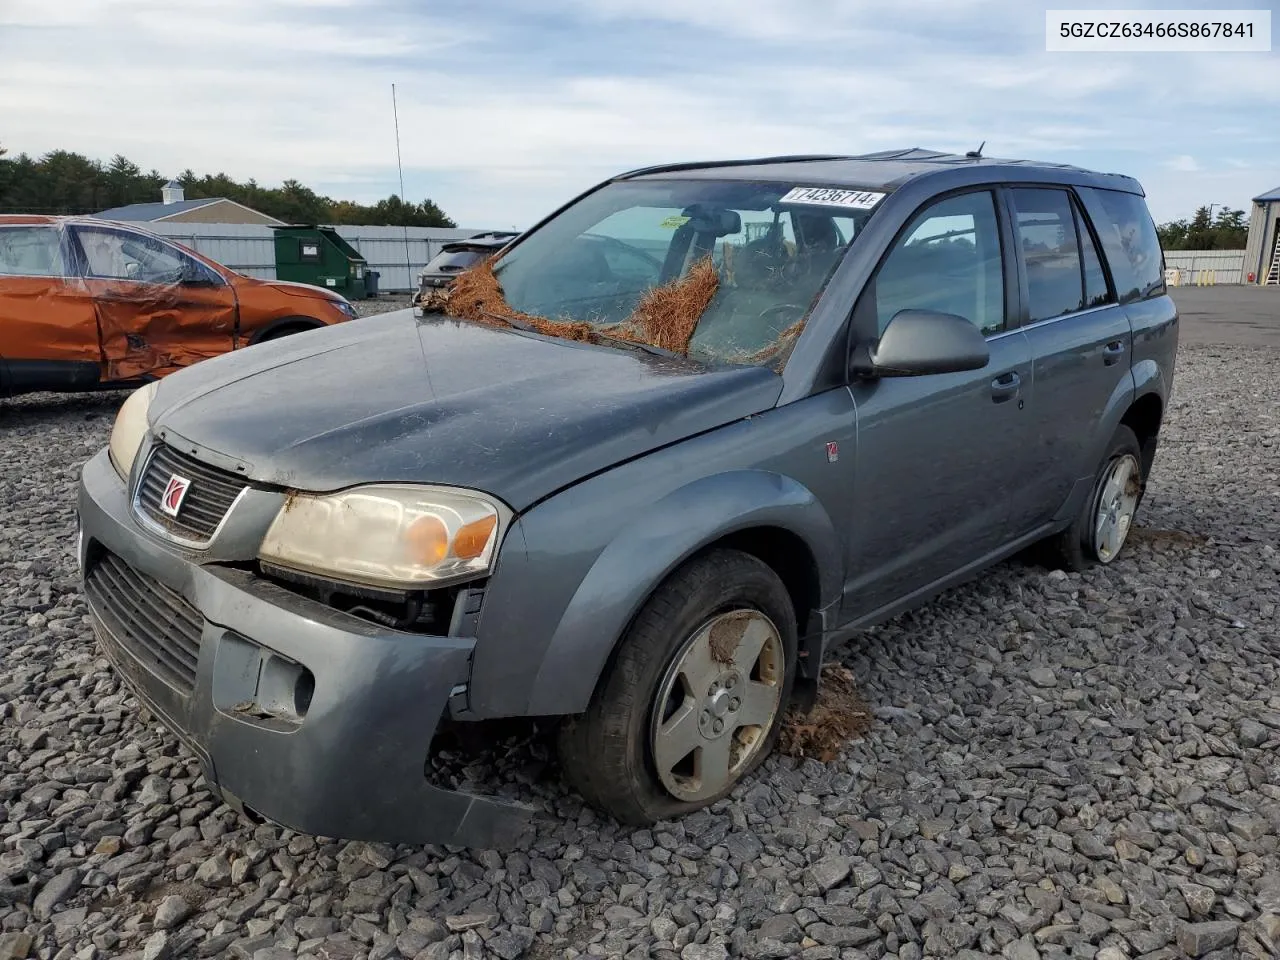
517,324
619,341
646,347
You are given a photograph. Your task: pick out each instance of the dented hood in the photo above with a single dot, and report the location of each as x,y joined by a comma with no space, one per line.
305,291
402,398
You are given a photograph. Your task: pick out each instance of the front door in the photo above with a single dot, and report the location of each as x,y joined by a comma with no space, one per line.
157,308
939,457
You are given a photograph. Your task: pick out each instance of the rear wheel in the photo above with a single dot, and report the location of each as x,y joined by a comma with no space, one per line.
694,698
1099,533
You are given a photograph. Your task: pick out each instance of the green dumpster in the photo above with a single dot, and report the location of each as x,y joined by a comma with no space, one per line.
319,256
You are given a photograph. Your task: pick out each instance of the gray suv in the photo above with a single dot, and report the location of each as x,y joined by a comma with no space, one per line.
639,473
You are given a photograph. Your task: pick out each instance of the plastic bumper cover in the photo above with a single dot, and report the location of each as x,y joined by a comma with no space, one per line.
354,766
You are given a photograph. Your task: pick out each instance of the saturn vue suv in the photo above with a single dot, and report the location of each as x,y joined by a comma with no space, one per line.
872,377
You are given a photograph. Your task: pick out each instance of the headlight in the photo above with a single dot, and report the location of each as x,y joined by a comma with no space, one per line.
130,428
346,308
397,535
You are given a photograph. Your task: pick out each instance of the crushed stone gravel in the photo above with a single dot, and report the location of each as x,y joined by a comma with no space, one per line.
1058,766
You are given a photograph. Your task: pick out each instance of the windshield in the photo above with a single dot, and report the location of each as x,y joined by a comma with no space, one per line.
717,270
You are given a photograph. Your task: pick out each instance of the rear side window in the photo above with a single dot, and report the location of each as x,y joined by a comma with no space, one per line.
1047,235
1130,230
30,252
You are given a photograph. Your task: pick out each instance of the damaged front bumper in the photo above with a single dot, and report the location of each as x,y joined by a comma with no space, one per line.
303,715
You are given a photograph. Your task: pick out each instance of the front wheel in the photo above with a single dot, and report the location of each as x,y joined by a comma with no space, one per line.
1099,533
694,697
287,330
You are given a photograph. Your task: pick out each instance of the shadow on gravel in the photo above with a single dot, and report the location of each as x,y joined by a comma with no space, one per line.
39,409
1167,538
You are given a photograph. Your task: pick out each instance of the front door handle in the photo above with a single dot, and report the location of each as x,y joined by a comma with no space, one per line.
1005,386
1112,352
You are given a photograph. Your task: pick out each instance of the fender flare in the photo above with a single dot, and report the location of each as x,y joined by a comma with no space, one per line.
649,548
1122,398
295,320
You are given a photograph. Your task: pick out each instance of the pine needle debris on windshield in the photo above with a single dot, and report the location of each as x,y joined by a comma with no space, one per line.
665,317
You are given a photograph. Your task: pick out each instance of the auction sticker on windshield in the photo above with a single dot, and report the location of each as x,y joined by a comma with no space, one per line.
833,197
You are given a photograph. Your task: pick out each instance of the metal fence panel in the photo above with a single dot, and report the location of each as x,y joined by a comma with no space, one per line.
1205,266
250,248
252,256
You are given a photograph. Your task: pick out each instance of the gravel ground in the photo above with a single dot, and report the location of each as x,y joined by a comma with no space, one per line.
1060,766
383,303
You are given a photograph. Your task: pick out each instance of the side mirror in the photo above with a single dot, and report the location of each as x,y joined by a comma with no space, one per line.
921,342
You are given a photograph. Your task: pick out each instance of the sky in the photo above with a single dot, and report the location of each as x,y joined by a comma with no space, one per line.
509,108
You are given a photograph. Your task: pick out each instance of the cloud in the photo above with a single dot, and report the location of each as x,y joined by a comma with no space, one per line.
509,108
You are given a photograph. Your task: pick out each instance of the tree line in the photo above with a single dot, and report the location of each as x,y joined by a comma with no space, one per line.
1229,230
70,183
66,182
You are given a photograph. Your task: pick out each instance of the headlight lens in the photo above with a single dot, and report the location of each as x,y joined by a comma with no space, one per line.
398,535
346,307
130,428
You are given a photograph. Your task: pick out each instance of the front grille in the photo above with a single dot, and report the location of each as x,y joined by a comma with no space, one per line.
210,496
153,622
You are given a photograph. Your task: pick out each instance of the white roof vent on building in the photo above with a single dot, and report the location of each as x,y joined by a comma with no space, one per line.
172,192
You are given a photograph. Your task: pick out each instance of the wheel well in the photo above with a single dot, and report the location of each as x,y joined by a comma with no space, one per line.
1143,418
792,560
283,328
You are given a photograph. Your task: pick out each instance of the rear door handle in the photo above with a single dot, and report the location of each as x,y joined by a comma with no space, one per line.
1005,386
1112,352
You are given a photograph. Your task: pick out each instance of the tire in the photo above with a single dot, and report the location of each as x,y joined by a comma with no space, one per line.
718,600
287,330
1079,546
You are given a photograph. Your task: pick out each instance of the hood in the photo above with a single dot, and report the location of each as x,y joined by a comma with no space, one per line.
293,288
403,398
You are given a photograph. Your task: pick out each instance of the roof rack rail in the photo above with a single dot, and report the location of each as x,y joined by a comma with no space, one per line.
708,164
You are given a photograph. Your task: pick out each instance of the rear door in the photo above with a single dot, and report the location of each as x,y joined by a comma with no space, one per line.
48,329
157,308
939,457
1080,344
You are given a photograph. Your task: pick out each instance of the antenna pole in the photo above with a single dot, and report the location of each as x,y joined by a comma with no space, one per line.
404,202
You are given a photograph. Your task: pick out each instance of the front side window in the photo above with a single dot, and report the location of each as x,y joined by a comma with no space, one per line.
119,255
30,252
948,259
1046,231
597,260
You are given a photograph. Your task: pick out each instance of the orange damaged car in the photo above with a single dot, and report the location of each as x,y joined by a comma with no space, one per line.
86,303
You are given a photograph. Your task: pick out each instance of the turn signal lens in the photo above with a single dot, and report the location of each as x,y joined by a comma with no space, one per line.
473,538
